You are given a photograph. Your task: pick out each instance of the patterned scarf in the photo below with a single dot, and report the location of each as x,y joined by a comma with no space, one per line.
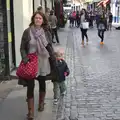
39,35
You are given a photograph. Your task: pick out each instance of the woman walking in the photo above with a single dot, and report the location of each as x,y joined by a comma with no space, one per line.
37,39
84,18
101,29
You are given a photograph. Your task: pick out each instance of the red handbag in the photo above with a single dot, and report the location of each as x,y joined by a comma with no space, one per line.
28,71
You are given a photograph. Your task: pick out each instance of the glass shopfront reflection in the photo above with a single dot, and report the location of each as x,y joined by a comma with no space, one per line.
4,58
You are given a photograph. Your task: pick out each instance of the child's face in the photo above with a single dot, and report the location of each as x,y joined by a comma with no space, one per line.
59,55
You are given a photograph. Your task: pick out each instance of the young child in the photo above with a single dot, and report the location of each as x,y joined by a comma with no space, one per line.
59,87
101,29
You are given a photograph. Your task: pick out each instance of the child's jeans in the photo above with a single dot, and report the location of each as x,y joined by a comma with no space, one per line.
58,88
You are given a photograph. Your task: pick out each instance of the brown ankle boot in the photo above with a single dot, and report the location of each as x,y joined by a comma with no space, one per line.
30,115
82,42
41,101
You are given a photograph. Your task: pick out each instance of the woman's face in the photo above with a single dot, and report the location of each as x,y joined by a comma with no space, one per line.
38,20
83,11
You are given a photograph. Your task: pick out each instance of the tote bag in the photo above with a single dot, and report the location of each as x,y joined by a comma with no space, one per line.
85,25
28,71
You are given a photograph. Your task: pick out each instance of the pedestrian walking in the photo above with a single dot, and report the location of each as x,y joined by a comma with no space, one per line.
84,25
37,40
101,29
53,24
63,71
110,19
91,19
74,18
71,20
77,19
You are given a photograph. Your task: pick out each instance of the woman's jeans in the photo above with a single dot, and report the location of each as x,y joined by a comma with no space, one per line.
31,85
84,34
101,34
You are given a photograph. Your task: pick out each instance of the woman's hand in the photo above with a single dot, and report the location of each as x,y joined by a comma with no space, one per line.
26,60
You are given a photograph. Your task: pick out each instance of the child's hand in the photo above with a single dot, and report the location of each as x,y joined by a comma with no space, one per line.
65,73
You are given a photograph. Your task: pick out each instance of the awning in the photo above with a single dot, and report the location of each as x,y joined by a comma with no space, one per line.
103,2
100,3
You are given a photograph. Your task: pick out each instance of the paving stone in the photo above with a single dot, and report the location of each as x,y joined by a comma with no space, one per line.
96,87
93,86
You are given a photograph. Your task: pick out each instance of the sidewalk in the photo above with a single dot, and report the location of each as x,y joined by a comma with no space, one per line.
13,106
116,25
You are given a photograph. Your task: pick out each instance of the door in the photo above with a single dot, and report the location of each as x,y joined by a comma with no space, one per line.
11,41
4,56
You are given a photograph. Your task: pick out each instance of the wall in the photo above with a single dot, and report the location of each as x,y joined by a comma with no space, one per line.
36,4
23,10
49,4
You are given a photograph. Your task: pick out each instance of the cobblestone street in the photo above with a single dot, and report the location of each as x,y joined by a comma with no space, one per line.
93,88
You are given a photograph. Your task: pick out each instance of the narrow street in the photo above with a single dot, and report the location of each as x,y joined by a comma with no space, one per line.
93,87
94,84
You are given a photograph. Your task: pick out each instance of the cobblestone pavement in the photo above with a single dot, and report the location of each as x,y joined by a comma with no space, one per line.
93,87
13,96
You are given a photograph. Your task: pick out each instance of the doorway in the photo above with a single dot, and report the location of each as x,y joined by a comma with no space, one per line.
11,39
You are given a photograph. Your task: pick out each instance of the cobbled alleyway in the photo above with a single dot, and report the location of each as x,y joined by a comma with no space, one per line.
93,87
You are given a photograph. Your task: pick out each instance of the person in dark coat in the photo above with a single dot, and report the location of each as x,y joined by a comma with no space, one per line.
63,71
101,29
78,19
110,19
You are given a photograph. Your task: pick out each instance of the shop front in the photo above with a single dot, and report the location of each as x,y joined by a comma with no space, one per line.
4,54
15,16
115,9
7,43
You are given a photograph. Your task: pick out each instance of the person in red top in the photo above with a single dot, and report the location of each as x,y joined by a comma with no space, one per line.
74,17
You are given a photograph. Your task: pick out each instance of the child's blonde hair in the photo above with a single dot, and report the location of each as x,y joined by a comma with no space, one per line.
59,53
